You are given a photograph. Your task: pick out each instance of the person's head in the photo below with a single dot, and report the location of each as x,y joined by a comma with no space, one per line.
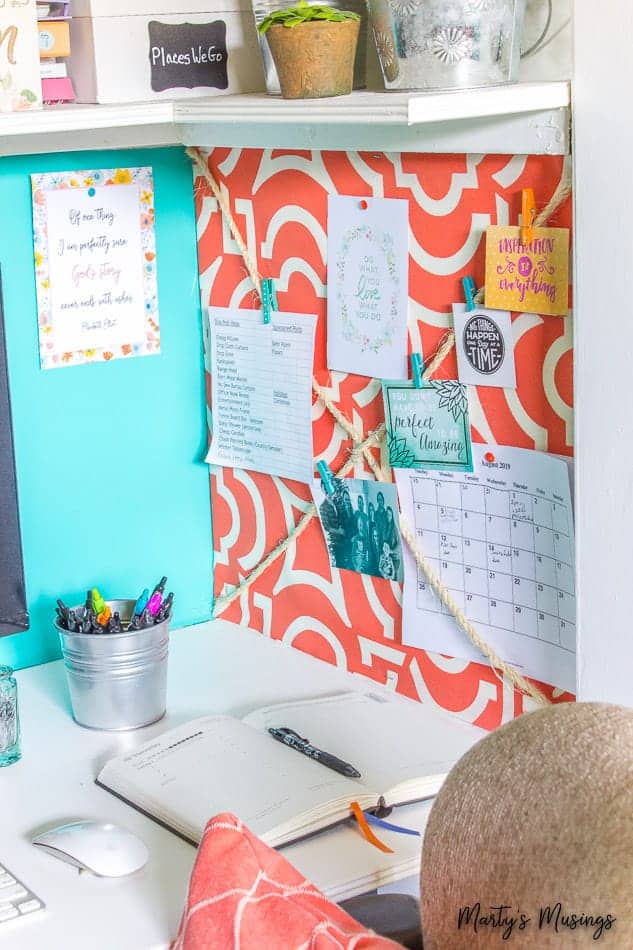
385,548
370,510
389,516
537,815
373,530
360,503
340,487
358,521
380,499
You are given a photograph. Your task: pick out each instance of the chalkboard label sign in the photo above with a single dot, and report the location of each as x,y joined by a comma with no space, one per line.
187,55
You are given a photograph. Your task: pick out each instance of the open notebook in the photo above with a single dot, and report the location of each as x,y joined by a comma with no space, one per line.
403,751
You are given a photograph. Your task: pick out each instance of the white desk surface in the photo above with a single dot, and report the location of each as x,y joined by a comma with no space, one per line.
214,667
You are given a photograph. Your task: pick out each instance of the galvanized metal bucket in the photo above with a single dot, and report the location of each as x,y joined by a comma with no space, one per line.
447,44
117,681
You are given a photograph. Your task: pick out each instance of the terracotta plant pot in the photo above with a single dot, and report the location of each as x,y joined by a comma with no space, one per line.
314,59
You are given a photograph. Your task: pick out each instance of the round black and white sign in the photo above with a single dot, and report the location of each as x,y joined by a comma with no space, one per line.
483,344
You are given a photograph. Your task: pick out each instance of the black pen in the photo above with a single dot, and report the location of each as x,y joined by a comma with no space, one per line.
290,738
164,612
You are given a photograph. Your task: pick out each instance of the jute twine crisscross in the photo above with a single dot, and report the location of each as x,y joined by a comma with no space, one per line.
362,446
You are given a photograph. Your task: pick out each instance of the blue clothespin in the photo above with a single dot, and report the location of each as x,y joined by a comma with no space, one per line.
269,298
417,369
327,478
469,292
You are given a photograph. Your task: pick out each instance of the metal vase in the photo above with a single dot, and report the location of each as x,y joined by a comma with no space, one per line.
117,681
447,44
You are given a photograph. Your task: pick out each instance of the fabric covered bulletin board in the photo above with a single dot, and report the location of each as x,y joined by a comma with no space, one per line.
279,202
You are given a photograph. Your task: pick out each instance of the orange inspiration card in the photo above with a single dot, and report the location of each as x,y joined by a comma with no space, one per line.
531,277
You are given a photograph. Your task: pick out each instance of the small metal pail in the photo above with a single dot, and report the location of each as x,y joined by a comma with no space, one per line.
447,44
117,681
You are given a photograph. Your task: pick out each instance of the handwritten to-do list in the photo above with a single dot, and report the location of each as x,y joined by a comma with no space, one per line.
502,541
95,263
262,391
368,255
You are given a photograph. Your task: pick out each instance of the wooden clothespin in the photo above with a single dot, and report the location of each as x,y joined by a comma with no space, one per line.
269,298
528,214
417,369
327,478
469,292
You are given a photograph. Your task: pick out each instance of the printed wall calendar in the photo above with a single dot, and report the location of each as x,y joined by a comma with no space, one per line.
502,541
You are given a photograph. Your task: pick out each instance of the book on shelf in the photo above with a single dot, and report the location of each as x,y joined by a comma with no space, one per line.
182,778
55,10
53,69
57,90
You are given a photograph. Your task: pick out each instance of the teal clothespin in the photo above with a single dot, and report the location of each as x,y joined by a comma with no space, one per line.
327,478
417,369
469,292
269,298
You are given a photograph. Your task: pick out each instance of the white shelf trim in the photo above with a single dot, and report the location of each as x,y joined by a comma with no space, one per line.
522,118
83,118
381,108
493,100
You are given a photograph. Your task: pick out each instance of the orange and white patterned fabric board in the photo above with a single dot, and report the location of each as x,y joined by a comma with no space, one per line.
279,201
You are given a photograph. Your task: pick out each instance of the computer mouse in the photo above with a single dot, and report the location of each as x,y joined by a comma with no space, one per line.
105,849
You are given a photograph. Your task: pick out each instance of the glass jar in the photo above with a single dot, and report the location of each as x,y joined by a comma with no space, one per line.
9,719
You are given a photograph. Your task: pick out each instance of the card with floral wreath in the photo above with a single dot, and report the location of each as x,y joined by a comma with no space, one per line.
368,268
428,427
95,265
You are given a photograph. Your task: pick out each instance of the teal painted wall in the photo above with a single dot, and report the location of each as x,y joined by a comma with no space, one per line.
112,487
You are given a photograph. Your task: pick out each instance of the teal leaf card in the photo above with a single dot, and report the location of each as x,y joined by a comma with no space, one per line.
428,427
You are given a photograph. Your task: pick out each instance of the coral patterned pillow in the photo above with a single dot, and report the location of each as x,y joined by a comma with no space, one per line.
243,894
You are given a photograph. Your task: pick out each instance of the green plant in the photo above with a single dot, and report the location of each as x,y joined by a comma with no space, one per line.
304,13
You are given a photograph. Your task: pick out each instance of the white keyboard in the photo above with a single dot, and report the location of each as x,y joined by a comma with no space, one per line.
16,900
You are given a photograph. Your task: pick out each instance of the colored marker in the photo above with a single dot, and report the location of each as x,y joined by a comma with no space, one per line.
62,614
146,619
98,602
165,608
104,616
160,587
157,597
141,603
89,614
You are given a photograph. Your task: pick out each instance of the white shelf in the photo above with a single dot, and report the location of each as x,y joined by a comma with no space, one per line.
69,127
523,118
